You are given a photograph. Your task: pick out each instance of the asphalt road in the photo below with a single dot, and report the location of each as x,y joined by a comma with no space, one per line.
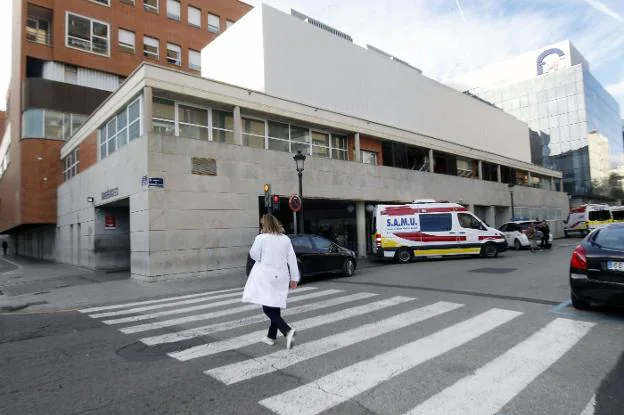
463,336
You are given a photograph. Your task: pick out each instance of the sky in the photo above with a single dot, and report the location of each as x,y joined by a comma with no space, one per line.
446,38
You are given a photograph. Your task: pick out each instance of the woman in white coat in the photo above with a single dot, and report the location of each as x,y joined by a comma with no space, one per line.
274,271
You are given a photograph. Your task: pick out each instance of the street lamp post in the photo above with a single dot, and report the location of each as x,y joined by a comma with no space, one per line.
511,192
299,161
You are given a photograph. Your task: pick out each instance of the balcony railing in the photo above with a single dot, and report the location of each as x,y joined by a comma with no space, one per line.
38,36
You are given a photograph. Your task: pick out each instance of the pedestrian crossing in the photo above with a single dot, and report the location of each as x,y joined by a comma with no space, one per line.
218,322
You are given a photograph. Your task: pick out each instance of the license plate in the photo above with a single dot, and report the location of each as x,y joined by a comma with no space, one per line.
615,266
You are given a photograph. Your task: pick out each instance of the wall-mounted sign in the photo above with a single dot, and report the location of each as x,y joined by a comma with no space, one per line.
550,60
110,222
156,182
110,193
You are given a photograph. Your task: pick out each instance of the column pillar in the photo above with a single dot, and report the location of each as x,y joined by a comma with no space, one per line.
148,111
360,221
431,162
480,170
498,173
530,179
238,126
358,152
552,183
490,216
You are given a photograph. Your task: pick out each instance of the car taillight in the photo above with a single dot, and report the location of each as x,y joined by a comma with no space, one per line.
579,259
378,240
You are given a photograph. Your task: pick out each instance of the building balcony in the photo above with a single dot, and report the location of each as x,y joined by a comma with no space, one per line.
39,25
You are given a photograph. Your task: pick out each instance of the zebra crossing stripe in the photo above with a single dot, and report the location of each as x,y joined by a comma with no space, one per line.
344,384
137,310
251,338
215,314
499,381
161,300
258,366
228,325
182,310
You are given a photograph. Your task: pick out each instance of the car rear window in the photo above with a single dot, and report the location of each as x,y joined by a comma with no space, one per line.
610,238
599,215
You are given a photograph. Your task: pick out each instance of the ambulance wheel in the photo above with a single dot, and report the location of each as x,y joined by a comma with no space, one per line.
489,251
404,256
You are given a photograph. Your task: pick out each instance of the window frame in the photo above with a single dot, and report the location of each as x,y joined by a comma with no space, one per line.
177,121
374,153
151,8
91,21
124,46
71,164
190,64
104,139
107,4
38,20
188,16
211,28
151,54
173,16
177,62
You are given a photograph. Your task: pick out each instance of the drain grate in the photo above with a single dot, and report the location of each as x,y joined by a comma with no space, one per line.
493,270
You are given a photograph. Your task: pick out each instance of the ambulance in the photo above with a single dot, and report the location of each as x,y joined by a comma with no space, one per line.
617,214
426,228
586,218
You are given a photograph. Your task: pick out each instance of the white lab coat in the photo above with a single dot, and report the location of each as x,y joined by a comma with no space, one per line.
270,277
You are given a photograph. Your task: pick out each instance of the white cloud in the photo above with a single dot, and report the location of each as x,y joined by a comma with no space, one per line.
601,7
616,89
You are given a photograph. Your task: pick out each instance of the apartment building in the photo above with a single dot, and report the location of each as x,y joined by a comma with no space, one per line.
67,58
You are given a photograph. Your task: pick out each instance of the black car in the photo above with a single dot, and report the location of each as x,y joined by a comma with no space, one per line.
597,269
317,255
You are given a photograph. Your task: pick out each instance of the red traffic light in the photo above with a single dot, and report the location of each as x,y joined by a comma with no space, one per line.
275,199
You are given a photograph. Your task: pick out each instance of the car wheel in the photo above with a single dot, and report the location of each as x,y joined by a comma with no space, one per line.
348,269
489,251
404,255
517,245
579,304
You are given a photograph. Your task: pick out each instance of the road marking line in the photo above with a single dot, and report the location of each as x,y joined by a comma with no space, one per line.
590,409
318,321
137,310
344,384
492,386
161,300
176,311
215,314
213,328
557,309
247,369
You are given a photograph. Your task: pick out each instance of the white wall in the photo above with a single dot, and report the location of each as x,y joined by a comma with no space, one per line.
236,55
306,64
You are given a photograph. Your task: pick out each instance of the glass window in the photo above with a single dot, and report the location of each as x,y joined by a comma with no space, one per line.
103,2
253,133
300,138
193,122
54,123
600,215
436,222
87,34
466,220
126,40
223,126
214,23
121,129
610,238
76,122
369,157
301,243
279,136
173,9
151,5
194,60
151,47
70,165
321,243
174,54
33,123
320,144
38,30
194,16
164,116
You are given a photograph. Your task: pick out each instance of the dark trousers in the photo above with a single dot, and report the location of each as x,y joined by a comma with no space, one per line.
277,322
545,238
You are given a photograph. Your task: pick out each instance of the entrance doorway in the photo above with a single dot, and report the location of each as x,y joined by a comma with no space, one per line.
112,236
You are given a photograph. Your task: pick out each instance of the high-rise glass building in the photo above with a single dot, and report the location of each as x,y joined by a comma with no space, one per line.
575,123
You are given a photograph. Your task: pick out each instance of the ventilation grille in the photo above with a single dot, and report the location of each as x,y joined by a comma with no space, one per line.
321,25
204,167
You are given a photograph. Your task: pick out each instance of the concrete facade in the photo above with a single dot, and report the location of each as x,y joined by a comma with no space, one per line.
299,61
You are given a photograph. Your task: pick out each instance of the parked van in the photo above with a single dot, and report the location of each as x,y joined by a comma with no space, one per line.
429,228
586,218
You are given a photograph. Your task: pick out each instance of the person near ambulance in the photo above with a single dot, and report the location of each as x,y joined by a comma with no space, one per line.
274,271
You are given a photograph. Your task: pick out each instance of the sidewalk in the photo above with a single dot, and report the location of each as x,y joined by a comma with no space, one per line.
44,286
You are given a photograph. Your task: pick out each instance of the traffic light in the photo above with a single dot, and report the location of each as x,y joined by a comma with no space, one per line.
267,197
276,203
